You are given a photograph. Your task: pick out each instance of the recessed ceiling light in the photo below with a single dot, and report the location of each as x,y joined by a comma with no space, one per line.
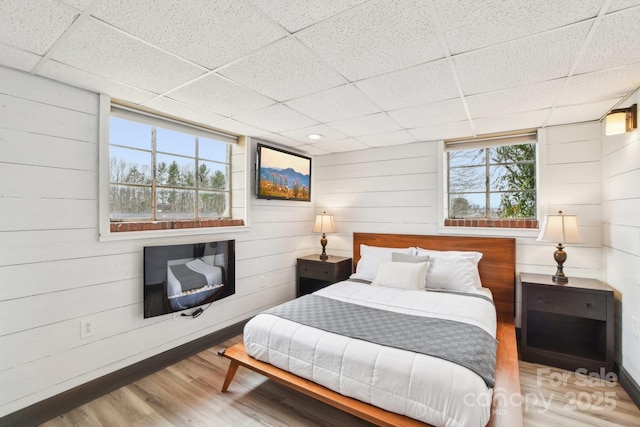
314,136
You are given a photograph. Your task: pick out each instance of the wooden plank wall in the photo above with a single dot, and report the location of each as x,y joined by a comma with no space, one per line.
55,272
621,238
395,190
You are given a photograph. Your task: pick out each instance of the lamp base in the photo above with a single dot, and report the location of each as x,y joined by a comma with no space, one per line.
323,242
560,279
560,256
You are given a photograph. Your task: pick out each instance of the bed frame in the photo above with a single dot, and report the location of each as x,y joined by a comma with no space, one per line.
497,272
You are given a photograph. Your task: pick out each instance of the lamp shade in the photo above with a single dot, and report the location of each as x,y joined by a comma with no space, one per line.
560,228
616,123
324,224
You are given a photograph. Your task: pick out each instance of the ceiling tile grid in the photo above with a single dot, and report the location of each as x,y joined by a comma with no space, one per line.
362,73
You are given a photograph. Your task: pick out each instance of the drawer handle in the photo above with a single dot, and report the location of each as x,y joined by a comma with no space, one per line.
589,305
540,299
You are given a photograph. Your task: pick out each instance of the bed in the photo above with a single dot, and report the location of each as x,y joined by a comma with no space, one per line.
378,398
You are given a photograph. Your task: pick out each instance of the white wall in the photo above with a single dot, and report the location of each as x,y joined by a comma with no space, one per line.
54,271
395,190
621,236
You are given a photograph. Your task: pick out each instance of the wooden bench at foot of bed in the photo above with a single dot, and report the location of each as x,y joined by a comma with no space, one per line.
506,410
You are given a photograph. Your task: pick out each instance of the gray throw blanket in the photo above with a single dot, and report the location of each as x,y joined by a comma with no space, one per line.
189,279
466,345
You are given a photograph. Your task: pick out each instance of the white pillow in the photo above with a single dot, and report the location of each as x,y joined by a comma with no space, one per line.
402,275
453,270
370,256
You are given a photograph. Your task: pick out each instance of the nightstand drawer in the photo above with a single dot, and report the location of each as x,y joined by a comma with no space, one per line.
579,304
316,270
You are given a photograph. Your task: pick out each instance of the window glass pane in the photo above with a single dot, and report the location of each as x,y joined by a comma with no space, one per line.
467,205
169,141
129,166
129,203
209,149
213,204
212,176
175,171
175,204
467,158
471,179
130,134
515,204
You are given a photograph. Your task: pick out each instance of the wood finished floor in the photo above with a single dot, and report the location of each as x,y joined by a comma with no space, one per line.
188,394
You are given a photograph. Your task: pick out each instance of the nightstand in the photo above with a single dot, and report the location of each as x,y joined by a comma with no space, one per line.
568,325
313,274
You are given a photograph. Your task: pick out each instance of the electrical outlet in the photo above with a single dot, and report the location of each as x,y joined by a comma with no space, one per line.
262,281
86,328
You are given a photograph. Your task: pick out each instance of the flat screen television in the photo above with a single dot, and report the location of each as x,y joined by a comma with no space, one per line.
181,277
281,174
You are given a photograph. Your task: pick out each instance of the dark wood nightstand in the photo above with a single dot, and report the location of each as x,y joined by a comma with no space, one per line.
313,274
567,325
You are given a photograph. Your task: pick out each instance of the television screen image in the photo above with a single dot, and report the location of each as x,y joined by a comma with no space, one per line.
180,277
282,175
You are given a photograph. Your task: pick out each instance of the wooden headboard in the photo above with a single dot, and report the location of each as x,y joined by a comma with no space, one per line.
497,266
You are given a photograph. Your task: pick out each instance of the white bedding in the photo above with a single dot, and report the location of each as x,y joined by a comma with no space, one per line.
423,387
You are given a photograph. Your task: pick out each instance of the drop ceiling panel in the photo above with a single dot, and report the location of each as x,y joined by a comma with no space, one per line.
423,84
104,51
464,22
34,25
79,4
507,122
444,131
601,85
79,78
207,33
295,15
431,114
282,140
622,4
514,100
580,113
240,128
376,37
339,103
17,58
525,61
301,135
366,125
282,71
342,145
385,139
182,110
219,95
615,43
276,118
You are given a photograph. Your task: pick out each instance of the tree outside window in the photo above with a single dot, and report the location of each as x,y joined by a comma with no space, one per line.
493,182
161,174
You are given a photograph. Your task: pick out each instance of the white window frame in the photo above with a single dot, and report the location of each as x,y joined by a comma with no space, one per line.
443,197
239,197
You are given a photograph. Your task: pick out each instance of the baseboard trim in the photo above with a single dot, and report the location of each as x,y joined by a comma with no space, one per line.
57,405
630,385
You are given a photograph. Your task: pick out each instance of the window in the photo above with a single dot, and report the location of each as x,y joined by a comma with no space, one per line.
492,182
167,174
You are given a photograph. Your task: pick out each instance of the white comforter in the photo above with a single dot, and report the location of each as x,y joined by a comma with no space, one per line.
423,387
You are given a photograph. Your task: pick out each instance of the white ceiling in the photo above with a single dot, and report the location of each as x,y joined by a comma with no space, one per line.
363,73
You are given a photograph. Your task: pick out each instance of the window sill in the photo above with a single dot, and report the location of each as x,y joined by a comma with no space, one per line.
489,231
492,223
155,229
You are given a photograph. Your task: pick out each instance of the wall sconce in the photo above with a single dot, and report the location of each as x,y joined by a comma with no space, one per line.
560,228
324,224
621,120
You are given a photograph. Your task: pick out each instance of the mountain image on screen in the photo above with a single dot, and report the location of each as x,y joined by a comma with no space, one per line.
283,183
